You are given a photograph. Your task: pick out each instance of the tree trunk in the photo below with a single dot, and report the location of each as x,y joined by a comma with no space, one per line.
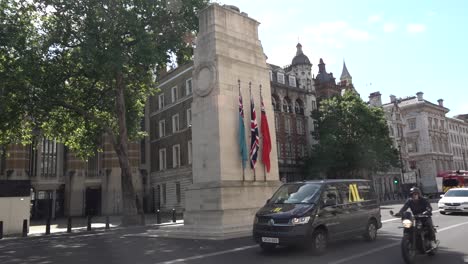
130,210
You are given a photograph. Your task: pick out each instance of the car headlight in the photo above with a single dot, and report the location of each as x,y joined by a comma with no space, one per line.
300,220
407,223
440,205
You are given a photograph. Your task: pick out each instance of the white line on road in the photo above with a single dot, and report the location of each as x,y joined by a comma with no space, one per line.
387,246
394,219
207,255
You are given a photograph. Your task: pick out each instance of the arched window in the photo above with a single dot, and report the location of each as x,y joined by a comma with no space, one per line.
299,107
275,101
286,105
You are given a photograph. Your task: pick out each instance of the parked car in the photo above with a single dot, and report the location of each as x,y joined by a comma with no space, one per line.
311,213
454,201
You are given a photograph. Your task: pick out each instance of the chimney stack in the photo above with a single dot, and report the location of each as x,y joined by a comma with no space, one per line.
392,98
441,102
375,99
420,96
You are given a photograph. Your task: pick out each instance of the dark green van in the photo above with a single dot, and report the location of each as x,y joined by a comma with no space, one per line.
311,213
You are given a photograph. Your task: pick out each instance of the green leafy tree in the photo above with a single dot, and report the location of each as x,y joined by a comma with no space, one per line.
353,140
79,70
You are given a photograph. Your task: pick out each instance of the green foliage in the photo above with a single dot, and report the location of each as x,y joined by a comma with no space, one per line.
353,140
61,63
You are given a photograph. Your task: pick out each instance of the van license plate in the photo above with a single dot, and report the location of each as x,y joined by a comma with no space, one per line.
452,208
273,240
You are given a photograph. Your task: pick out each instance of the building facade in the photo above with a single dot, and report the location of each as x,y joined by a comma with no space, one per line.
458,139
420,132
64,184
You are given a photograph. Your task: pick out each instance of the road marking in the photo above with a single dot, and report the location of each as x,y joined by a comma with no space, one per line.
207,255
387,246
394,219
336,262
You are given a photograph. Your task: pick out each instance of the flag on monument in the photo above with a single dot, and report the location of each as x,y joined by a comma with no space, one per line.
266,139
242,142
254,142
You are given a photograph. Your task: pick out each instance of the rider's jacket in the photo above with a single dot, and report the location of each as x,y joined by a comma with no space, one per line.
417,206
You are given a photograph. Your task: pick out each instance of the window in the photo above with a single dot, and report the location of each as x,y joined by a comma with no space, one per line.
271,76
175,123
162,128
300,127
49,158
164,194
189,152
314,105
412,123
189,117
280,77
288,150
301,151
288,125
188,87
174,94
442,124
436,123
175,156
177,189
161,101
292,81
412,147
430,122
276,122
278,149
162,159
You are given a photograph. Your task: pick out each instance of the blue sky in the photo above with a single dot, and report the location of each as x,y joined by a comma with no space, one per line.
395,47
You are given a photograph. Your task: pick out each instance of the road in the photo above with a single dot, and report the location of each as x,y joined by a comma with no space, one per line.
138,246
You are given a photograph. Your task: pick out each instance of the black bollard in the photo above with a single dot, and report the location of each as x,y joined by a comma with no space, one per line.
107,223
25,228
158,216
89,223
174,218
69,225
1,229
47,228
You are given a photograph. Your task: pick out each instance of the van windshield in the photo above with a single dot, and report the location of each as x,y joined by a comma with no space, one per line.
296,193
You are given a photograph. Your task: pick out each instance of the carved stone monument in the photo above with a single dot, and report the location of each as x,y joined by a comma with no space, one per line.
222,201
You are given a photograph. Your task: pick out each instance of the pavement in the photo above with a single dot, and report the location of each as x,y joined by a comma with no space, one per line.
139,245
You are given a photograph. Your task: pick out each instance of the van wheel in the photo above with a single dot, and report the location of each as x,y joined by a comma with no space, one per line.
371,231
319,242
267,248
442,212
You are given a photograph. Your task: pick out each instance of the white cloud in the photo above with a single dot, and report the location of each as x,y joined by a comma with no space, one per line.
357,34
335,33
415,28
389,27
374,19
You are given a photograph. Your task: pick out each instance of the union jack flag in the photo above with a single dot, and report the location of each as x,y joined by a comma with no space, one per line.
254,142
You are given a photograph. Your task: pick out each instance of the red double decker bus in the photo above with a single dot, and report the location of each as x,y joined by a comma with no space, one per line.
453,179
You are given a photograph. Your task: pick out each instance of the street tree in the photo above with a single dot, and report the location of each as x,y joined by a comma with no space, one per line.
79,70
353,138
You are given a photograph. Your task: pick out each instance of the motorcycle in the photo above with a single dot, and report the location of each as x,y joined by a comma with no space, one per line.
415,237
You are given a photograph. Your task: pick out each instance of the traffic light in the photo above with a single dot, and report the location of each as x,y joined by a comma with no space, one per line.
396,181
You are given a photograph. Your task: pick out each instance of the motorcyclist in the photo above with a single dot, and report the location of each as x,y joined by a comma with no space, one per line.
420,205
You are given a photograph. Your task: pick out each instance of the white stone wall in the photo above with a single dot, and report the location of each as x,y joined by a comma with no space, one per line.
458,138
13,210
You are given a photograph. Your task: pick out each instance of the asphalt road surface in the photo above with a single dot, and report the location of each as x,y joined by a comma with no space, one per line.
140,246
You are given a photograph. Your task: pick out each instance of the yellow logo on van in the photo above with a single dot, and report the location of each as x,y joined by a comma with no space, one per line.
354,194
276,210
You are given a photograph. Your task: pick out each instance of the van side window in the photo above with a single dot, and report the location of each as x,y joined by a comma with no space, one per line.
365,190
331,193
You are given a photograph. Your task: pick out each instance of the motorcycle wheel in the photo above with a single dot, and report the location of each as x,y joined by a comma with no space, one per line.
408,251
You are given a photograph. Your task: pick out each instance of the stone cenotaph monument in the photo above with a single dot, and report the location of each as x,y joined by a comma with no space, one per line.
222,201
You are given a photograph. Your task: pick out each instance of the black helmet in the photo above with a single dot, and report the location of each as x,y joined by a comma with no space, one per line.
415,190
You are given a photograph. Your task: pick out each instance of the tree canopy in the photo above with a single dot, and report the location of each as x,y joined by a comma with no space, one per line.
353,138
78,70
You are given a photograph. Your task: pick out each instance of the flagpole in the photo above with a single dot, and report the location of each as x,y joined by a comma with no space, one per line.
242,165
250,92
264,167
